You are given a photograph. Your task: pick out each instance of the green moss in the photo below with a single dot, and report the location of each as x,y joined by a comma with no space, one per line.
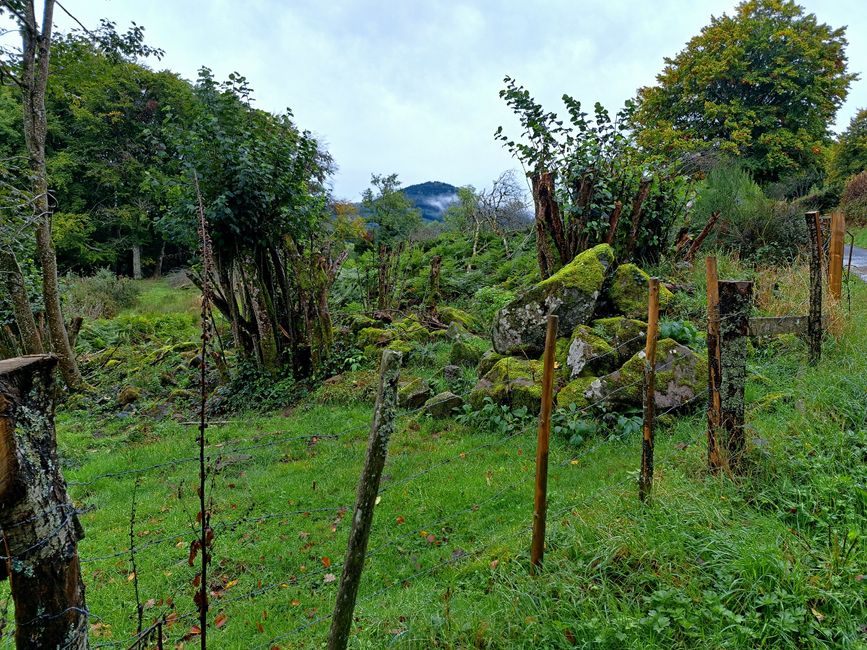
449,315
626,335
359,322
466,352
488,360
585,273
510,368
511,381
573,392
628,291
410,329
374,336
589,351
348,388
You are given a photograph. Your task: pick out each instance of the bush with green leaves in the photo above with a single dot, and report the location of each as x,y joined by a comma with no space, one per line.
103,295
496,418
682,331
854,200
750,224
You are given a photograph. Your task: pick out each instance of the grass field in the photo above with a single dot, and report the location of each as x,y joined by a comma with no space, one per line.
774,559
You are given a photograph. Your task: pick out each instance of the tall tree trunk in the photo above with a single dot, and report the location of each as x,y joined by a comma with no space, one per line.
158,271
136,262
31,342
36,51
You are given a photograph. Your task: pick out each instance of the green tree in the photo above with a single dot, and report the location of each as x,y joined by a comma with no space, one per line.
391,219
849,153
762,85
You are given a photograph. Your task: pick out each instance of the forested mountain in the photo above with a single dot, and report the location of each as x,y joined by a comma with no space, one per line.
433,198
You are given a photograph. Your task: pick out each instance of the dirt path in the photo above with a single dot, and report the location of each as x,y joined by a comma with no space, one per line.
859,261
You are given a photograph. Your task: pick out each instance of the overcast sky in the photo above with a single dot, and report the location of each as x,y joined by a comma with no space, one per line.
411,86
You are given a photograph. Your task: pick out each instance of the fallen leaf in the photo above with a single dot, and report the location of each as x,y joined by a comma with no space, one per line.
221,620
130,577
400,521
326,561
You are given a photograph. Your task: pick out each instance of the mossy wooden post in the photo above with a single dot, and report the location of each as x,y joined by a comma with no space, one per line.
735,303
835,256
645,479
365,499
540,502
39,525
814,320
714,460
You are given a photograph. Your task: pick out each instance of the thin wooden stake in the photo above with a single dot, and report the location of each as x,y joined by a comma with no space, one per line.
365,499
835,256
735,303
645,481
714,459
814,321
540,503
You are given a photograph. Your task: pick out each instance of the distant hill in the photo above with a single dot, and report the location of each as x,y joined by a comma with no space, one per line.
432,198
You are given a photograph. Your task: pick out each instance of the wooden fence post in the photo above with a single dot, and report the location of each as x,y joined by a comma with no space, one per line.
540,502
814,321
365,499
714,459
735,302
835,255
645,480
39,527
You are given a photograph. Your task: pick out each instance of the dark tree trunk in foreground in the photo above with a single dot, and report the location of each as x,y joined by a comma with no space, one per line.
39,525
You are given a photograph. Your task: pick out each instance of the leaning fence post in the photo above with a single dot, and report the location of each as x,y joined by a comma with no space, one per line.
645,480
540,502
835,255
365,499
735,302
39,527
714,460
814,320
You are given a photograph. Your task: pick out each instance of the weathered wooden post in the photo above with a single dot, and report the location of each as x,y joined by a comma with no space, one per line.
365,499
735,302
814,320
645,479
835,255
540,501
38,523
714,459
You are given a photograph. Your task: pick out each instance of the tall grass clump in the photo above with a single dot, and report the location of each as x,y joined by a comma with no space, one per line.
103,295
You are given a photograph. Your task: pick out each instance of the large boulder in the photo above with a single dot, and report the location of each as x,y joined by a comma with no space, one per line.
626,335
443,405
627,293
586,353
488,361
575,392
681,376
411,329
375,336
571,294
512,381
414,393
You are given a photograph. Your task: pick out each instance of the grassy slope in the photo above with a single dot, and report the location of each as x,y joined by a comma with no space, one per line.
861,237
712,564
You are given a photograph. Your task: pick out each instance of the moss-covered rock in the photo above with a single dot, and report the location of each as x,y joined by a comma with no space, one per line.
681,375
374,336
627,293
439,335
586,353
576,392
488,360
358,322
375,351
129,395
466,352
512,381
410,329
449,315
414,393
348,388
626,335
443,405
571,294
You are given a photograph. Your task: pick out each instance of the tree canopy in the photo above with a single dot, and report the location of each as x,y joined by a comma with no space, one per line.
763,85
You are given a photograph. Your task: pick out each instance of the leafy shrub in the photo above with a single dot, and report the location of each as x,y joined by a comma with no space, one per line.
487,301
496,418
750,224
254,388
103,295
572,425
684,332
854,200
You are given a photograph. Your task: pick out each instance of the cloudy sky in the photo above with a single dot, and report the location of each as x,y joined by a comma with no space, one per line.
410,86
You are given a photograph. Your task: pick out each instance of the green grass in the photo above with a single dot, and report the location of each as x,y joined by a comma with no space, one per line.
762,561
861,237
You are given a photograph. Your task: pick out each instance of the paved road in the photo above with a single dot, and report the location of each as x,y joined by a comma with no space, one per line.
859,260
